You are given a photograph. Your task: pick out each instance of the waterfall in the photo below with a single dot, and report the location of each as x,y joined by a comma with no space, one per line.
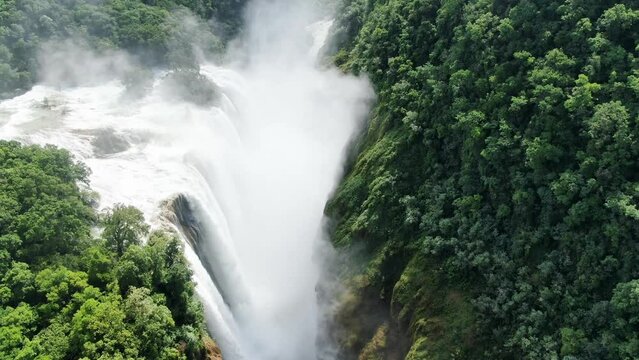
244,182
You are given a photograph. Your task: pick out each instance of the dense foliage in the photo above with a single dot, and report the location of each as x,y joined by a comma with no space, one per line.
66,295
496,190
160,32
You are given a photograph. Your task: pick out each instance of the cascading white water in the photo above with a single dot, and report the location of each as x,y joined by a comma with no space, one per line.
258,167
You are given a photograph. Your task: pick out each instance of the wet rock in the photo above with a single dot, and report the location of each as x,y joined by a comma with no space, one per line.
211,350
106,142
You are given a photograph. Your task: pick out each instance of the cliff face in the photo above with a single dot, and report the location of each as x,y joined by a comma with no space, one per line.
211,350
489,208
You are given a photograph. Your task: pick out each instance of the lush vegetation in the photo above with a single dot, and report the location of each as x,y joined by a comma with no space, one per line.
155,30
495,192
67,295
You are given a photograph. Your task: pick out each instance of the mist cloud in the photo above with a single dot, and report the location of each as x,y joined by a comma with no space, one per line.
296,120
73,62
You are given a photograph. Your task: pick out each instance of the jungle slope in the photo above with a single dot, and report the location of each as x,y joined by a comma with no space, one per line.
492,200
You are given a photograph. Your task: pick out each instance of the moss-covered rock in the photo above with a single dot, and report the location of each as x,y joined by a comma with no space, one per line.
376,348
424,318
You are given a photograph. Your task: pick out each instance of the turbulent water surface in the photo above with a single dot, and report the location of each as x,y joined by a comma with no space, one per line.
254,172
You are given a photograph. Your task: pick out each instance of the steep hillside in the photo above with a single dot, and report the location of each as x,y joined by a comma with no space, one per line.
493,197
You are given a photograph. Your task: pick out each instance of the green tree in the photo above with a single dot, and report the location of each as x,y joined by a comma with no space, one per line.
21,283
98,329
17,325
151,322
123,226
98,263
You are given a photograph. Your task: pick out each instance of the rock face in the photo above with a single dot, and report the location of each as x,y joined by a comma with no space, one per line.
181,215
212,351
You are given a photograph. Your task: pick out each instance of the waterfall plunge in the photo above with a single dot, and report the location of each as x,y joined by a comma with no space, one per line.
257,170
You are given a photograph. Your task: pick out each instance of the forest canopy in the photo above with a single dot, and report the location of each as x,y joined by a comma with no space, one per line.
495,190
65,294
